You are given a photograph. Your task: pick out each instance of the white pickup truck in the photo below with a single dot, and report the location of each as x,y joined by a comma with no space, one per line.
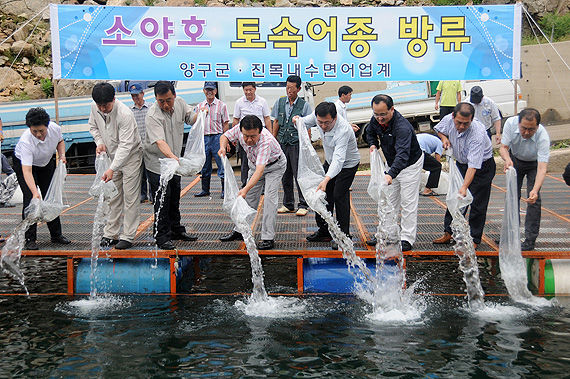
416,101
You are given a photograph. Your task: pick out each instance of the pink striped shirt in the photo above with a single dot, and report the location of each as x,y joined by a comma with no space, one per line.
264,152
217,115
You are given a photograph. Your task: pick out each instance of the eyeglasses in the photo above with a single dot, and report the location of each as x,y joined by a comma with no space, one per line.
381,115
325,123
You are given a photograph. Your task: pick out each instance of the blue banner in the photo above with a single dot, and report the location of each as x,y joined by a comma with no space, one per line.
269,44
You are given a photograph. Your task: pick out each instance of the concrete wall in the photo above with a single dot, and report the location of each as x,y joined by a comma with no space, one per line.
540,83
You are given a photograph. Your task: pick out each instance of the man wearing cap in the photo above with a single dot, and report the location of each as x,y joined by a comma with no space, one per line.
164,135
285,131
525,145
217,122
114,130
486,111
248,104
140,108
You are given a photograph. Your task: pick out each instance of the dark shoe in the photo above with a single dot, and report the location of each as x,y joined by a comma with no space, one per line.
446,239
168,245
527,246
372,242
61,240
266,245
233,236
31,245
202,194
222,195
406,246
122,245
319,236
106,242
183,237
7,205
2,239
334,245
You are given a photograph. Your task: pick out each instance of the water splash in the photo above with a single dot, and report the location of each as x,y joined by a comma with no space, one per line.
511,262
38,210
464,247
272,307
311,173
242,215
12,250
103,191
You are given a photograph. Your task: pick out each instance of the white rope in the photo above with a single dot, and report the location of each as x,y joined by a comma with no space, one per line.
26,41
531,21
26,23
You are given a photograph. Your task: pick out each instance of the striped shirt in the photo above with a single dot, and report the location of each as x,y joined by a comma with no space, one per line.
472,147
217,115
264,152
140,114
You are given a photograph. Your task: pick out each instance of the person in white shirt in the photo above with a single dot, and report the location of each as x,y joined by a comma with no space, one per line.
34,164
525,145
344,97
114,129
341,163
250,103
487,112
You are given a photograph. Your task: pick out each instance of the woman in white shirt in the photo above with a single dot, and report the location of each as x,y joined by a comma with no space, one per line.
34,163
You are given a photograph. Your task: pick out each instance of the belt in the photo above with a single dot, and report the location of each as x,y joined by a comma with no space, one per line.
275,161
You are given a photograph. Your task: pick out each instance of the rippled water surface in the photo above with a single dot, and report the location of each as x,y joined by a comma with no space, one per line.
323,336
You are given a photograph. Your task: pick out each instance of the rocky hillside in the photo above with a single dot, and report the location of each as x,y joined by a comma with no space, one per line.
25,40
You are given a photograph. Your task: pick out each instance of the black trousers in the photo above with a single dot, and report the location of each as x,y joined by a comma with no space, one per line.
338,196
168,223
481,190
444,111
434,167
292,154
42,177
533,211
244,165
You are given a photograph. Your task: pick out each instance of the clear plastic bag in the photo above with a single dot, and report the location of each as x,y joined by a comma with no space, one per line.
310,172
511,262
52,205
194,154
456,203
377,184
8,188
241,213
108,190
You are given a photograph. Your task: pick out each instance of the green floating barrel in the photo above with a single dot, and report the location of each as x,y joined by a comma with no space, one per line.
124,275
556,275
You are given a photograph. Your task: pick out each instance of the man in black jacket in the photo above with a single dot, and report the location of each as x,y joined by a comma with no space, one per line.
405,159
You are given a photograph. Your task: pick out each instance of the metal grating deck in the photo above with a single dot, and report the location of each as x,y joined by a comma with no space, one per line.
205,218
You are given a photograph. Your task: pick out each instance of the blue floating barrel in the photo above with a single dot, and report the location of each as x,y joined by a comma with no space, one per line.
332,275
124,275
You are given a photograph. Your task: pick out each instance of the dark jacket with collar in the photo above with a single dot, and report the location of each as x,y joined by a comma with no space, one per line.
398,142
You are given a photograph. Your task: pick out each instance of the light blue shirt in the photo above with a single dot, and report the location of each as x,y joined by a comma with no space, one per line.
472,147
535,148
429,143
339,143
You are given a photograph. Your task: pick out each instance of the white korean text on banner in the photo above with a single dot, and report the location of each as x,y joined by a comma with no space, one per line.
269,44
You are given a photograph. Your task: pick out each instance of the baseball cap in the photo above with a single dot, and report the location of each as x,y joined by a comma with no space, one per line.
210,85
135,89
476,94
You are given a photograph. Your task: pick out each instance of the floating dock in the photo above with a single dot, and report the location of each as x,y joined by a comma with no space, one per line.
206,218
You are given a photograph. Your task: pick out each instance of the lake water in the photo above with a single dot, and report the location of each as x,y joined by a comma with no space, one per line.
323,336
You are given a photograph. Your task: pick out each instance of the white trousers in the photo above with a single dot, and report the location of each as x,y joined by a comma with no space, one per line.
406,194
